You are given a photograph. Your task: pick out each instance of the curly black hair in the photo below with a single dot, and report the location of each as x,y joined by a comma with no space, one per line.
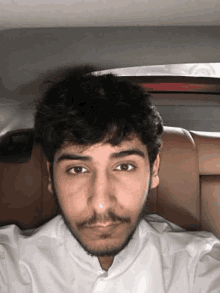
85,109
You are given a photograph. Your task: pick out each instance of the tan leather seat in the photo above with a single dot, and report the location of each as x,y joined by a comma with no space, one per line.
25,199
177,196
208,150
188,193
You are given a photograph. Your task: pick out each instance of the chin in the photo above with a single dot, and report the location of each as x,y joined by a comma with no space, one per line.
103,244
108,247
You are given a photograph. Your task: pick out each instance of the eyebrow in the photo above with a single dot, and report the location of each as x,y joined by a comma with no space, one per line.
117,155
126,153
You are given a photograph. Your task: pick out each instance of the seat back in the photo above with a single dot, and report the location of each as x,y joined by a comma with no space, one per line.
187,193
177,197
25,199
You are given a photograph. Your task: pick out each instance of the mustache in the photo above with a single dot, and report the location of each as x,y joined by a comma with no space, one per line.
103,219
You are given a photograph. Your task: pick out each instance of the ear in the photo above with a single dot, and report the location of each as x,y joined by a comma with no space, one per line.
155,177
50,183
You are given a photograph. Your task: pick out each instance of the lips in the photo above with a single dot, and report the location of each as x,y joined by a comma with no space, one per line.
100,229
103,226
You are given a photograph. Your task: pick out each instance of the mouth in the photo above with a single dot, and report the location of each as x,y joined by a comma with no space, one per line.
100,229
103,225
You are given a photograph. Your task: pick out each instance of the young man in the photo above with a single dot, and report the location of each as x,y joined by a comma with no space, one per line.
102,137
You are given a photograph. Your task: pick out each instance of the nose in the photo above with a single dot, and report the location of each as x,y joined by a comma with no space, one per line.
102,193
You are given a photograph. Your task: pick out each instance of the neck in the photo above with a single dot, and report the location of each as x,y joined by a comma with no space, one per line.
105,262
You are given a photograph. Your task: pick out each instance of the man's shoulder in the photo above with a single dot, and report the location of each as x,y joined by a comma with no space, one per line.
190,254
174,238
162,225
18,248
12,236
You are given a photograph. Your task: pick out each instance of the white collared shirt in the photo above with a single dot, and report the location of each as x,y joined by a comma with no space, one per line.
161,257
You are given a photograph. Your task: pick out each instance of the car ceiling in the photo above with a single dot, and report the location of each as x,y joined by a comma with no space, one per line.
40,39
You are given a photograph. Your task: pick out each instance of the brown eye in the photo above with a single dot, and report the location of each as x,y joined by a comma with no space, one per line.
77,170
125,167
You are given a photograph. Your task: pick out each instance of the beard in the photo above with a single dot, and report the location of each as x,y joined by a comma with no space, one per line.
111,217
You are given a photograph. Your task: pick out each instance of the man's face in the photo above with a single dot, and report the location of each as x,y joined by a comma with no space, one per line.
102,191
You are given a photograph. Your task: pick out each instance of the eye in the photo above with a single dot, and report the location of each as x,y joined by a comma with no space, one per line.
125,167
77,170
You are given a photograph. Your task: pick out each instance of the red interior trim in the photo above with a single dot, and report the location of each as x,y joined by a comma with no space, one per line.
180,87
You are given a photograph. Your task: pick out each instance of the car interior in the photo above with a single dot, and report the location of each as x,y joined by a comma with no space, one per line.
172,51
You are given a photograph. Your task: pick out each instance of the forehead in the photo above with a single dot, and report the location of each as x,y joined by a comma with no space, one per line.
104,150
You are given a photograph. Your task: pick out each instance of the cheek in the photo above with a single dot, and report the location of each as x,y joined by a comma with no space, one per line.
71,194
133,192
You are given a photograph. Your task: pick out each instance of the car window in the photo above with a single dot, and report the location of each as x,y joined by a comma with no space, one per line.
186,95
